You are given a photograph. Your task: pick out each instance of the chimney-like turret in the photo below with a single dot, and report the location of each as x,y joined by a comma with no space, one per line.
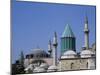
55,43
86,32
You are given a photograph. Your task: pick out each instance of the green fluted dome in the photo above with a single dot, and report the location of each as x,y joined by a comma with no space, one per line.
67,40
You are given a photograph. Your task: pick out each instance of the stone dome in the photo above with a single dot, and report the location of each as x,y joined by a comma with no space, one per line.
52,68
39,53
39,69
29,67
36,69
86,53
69,54
44,65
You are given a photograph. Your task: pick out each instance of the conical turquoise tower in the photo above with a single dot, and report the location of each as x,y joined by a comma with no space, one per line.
67,40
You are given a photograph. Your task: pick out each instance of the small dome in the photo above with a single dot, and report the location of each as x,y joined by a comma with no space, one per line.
69,54
44,65
39,53
52,68
36,69
29,67
39,69
86,53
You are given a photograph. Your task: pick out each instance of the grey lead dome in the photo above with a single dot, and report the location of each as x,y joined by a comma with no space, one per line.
39,53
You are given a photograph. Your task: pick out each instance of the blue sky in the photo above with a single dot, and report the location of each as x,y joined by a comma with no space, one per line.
34,24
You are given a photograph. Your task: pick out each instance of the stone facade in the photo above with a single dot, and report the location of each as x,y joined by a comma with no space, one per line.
49,61
76,64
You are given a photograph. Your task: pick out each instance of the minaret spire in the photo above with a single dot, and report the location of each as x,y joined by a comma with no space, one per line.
86,32
22,58
86,22
55,39
50,48
55,43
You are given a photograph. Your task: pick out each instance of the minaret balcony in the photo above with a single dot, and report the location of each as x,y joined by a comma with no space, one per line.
86,30
55,44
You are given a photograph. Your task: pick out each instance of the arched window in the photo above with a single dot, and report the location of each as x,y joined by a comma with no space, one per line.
72,65
87,65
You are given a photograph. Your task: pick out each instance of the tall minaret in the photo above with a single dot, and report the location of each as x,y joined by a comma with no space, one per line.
21,58
86,32
50,48
55,43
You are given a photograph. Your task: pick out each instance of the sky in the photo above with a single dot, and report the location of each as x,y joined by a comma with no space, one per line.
34,23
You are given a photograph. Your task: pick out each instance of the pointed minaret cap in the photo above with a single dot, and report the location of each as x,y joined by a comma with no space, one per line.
68,32
55,34
86,19
22,55
49,46
55,39
86,29
21,58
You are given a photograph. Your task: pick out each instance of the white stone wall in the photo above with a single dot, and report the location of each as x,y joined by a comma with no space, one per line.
76,64
69,65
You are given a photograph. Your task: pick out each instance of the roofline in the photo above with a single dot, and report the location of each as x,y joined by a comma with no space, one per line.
76,58
67,37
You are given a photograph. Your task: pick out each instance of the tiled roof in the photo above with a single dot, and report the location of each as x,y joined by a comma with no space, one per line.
68,32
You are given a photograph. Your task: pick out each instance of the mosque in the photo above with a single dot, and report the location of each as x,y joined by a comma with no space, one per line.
41,61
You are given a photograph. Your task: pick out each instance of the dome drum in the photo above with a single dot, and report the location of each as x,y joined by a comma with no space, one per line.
86,53
69,54
38,53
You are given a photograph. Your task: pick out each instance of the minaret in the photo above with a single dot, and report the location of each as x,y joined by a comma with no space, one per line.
86,32
50,48
21,58
55,49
